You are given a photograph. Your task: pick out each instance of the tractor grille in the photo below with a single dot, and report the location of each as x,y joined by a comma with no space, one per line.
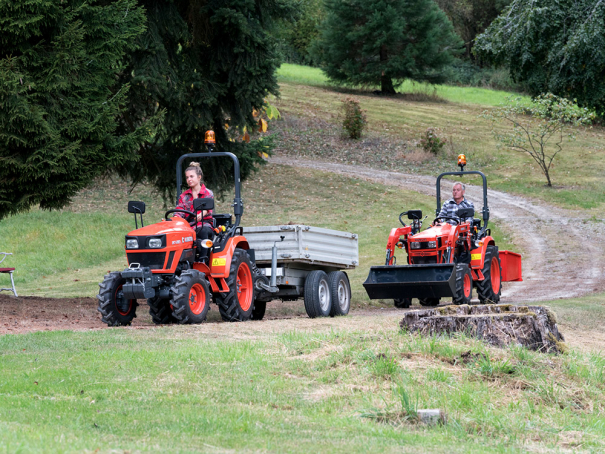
154,260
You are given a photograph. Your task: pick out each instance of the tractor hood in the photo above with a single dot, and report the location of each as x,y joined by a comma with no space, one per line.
176,225
433,232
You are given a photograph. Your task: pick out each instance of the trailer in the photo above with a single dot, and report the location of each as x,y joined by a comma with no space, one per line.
300,261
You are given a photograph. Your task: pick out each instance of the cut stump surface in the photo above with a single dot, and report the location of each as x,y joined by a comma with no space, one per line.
534,327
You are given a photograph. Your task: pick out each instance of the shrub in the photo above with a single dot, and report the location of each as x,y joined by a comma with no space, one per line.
354,118
431,142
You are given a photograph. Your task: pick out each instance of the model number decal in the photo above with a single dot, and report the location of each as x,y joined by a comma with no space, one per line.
176,242
475,256
219,262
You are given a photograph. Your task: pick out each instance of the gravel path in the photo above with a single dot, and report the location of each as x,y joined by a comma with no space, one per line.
562,249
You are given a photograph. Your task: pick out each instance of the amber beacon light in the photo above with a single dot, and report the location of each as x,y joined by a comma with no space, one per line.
461,161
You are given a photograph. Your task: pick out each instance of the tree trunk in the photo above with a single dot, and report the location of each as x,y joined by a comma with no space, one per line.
386,85
534,327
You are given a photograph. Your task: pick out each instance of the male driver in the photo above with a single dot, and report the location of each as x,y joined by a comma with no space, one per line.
451,207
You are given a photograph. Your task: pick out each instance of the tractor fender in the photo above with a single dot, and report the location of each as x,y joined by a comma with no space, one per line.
220,262
478,254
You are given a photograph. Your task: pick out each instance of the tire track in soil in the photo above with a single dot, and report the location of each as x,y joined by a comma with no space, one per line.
562,253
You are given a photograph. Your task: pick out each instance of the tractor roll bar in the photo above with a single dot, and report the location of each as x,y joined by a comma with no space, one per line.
468,172
238,204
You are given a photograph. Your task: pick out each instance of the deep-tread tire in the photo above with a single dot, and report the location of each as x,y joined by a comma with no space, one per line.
402,303
429,301
490,289
190,297
259,310
340,293
160,311
241,286
464,284
317,294
109,293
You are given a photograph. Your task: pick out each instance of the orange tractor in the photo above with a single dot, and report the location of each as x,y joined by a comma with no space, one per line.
165,270
445,260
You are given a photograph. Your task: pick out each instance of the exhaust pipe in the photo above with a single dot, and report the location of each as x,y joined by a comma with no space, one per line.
411,281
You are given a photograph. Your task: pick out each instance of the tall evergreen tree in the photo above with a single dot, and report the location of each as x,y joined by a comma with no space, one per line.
207,63
369,42
59,98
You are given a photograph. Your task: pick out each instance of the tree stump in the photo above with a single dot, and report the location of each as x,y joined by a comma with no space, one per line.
534,327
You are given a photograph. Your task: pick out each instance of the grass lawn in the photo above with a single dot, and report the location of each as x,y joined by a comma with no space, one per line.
66,253
310,128
345,384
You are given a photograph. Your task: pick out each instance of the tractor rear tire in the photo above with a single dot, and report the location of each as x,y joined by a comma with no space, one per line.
402,303
190,297
259,310
160,311
429,301
115,311
464,285
490,289
317,294
340,293
237,304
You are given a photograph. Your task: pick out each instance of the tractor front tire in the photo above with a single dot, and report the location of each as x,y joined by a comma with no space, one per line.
490,289
114,309
464,285
402,303
429,301
317,294
160,311
190,298
237,304
340,293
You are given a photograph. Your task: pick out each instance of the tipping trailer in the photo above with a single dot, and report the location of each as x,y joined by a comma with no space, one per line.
301,261
445,260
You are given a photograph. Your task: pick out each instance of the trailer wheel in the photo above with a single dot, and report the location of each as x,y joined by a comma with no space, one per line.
237,305
259,310
428,301
490,288
160,311
402,303
340,293
317,294
464,284
190,297
114,308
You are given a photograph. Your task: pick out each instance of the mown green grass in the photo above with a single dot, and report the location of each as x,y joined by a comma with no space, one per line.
306,75
66,253
346,384
310,128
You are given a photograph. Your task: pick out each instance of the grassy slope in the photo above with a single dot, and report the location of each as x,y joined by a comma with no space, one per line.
331,386
67,253
577,173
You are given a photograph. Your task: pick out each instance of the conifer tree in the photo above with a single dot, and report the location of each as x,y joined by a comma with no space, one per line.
59,98
371,42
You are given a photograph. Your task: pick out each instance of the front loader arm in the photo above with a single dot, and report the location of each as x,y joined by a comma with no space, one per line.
396,233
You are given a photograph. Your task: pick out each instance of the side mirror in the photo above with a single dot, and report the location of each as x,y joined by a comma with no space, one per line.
203,204
136,207
414,214
464,213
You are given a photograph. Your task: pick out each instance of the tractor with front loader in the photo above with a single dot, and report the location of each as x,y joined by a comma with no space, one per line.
166,269
446,260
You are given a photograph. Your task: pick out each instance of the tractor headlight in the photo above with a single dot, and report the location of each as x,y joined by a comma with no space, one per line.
155,243
132,243
431,244
414,245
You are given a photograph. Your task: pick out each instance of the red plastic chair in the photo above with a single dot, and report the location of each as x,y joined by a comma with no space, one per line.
9,271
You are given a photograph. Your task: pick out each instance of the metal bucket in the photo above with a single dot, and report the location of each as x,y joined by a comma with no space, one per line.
411,281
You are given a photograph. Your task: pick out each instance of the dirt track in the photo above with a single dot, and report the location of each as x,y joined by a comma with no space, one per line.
562,251
558,260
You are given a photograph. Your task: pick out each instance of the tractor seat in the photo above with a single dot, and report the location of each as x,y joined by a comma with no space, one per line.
223,219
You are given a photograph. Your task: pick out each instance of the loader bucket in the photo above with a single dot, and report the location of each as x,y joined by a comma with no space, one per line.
411,281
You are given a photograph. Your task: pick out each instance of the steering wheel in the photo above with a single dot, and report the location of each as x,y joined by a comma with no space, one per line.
180,210
448,218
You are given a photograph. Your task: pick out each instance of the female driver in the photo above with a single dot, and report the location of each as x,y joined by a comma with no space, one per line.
197,189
